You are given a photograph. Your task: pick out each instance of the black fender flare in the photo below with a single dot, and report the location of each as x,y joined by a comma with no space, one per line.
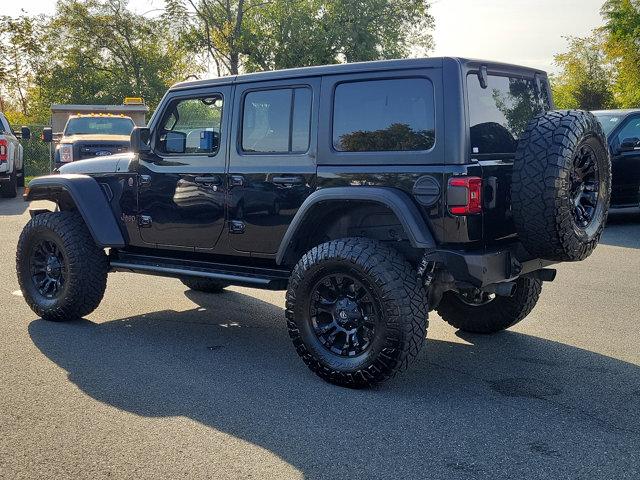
89,199
396,200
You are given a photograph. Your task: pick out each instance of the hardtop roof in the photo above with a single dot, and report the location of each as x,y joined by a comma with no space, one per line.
344,68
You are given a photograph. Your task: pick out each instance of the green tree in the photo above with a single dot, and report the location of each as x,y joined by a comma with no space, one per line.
585,78
20,57
622,44
100,52
254,35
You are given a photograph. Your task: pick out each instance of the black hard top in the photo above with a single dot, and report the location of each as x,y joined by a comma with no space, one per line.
621,111
344,68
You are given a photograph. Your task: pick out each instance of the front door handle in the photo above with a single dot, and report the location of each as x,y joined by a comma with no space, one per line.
208,180
236,181
288,180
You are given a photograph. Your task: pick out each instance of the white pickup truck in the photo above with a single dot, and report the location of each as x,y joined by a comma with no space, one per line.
11,158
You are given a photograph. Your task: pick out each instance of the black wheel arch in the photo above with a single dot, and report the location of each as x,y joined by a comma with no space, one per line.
324,201
84,194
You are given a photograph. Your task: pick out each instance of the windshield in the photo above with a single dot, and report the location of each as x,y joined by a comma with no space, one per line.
99,126
608,121
499,113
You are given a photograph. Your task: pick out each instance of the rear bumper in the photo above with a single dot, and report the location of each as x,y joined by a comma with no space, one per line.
488,267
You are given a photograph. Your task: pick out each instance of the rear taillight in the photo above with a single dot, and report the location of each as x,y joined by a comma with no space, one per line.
464,196
3,150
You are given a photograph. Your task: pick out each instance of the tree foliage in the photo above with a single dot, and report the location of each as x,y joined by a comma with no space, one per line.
622,44
20,58
99,51
254,35
585,79
102,52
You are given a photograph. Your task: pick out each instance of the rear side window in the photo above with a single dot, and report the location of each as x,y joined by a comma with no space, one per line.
384,115
276,121
499,113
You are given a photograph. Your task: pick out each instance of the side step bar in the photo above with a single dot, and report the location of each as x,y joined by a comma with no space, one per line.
255,277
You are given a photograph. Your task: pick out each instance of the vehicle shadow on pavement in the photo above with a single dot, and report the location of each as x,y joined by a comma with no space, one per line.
623,228
13,206
505,406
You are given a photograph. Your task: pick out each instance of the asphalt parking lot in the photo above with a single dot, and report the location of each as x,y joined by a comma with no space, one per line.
161,382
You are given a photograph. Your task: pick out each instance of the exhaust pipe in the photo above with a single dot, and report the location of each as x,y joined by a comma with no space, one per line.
546,274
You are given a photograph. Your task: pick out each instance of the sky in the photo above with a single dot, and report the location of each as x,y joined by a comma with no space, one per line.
525,32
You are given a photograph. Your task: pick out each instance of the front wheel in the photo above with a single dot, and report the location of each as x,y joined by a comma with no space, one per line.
480,312
356,312
61,271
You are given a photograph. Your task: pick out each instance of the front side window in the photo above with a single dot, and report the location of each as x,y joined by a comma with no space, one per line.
499,113
4,125
192,126
384,115
631,131
276,121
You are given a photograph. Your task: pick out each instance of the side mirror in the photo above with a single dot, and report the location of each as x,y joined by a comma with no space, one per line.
140,137
630,144
175,142
23,134
47,134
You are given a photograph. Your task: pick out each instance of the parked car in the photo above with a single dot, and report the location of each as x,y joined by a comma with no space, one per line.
91,135
622,128
11,158
375,192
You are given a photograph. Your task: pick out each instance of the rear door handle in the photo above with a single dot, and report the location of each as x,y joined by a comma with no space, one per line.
208,180
288,180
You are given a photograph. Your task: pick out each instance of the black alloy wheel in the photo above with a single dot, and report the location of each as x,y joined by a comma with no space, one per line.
48,268
343,314
585,186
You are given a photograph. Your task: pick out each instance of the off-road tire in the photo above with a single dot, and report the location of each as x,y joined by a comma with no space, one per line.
86,265
399,295
541,183
10,189
204,285
499,314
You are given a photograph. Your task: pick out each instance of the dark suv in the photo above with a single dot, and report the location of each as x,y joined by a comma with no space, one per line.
622,128
371,192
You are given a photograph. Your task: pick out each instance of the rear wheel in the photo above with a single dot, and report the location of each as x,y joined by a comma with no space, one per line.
356,312
480,312
61,271
204,285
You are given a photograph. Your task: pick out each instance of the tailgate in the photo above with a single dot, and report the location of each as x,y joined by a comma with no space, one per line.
497,218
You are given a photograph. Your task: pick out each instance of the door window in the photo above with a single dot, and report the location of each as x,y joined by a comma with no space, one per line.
384,115
276,121
629,131
192,126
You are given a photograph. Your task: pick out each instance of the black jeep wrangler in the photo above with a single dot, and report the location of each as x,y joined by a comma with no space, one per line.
371,192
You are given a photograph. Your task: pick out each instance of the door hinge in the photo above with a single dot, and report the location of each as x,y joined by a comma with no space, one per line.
144,221
236,226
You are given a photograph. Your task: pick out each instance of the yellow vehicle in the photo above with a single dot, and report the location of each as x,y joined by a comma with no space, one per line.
89,131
